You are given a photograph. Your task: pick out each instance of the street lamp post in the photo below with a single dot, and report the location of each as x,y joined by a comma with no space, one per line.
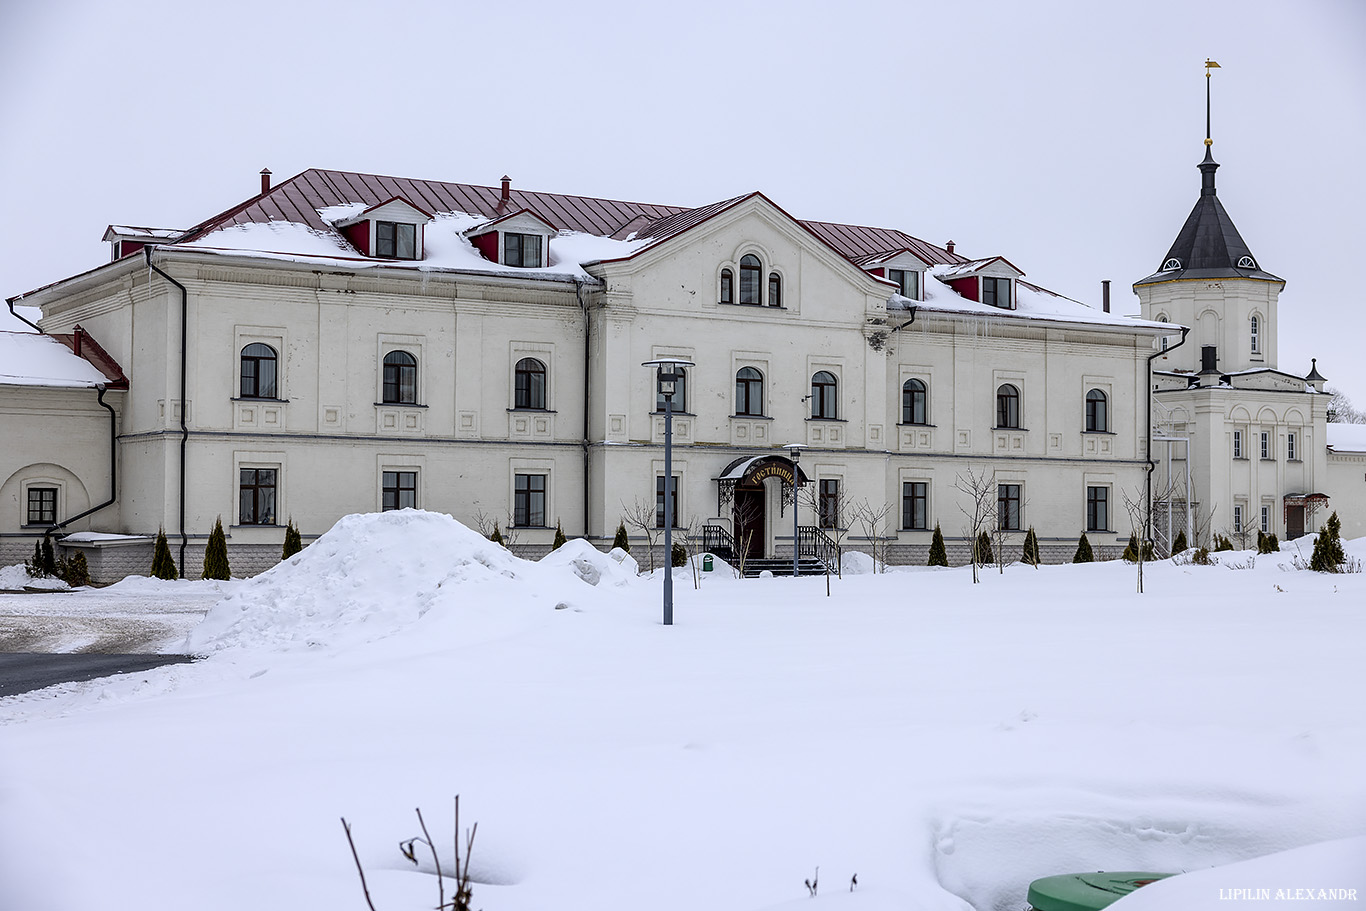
668,371
794,450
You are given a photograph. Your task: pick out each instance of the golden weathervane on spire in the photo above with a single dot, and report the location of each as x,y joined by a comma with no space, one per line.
1209,65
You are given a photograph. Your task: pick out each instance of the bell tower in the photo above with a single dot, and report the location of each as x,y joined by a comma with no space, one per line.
1210,281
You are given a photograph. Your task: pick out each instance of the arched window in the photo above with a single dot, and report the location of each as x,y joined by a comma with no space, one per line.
913,404
1008,406
680,402
400,378
727,286
1097,412
823,390
775,289
258,371
1256,339
529,384
1162,318
751,273
749,392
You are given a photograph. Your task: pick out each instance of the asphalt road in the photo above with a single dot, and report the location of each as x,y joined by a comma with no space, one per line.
24,671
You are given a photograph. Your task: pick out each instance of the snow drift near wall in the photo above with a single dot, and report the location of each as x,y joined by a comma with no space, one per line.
377,573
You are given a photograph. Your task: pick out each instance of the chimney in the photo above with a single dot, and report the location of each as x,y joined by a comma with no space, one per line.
949,246
265,180
1105,295
79,334
507,188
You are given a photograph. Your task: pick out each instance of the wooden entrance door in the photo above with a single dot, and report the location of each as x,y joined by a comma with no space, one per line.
1294,522
749,521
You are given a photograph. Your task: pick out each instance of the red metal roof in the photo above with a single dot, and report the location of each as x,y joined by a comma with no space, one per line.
299,199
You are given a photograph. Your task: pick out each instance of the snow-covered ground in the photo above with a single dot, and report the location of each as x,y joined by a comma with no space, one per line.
945,742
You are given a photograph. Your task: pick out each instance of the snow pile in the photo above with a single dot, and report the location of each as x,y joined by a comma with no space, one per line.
275,237
857,563
592,565
15,578
368,577
29,359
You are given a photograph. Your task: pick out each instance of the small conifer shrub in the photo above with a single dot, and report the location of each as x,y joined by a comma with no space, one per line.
293,541
1084,553
216,553
1328,555
50,557
1273,544
1030,554
1202,557
1221,543
1130,554
939,555
163,564
497,536
982,550
679,555
560,539
1179,545
620,540
74,571
34,566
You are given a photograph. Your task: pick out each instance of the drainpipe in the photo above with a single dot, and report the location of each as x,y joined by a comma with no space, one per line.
16,315
1148,481
587,452
184,428
113,465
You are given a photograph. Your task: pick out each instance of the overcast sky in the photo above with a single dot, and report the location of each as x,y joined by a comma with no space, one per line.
1062,135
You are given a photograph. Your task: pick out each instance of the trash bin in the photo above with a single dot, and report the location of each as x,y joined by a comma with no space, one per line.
1085,891
706,563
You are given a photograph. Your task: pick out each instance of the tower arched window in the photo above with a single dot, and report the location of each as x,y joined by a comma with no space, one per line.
1097,412
727,286
1008,407
1254,331
749,392
914,408
258,372
751,275
775,289
1162,318
824,389
529,384
400,378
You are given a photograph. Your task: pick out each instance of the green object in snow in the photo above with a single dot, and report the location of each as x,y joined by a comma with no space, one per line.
707,563
1085,891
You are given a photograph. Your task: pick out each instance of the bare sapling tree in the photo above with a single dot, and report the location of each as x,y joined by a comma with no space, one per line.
832,511
743,515
464,893
876,521
692,538
1136,506
978,506
640,515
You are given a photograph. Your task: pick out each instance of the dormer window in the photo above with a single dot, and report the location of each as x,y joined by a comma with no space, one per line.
1170,264
522,250
996,292
1247,262
907,282
395,240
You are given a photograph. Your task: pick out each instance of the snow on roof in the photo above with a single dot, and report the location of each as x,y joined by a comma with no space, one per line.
1347,437
972,267
1031,302
135,232
30,359
446,248
11,323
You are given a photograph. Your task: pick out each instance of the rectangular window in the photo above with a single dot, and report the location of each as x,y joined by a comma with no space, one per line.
1237,444
914,505
1266,519
1097,509
522,250
829,503
1266,445
659,502
1008,506
256,496
395,240
42,506
399,490
907,282
1290,446
996,293
528,501
1237,518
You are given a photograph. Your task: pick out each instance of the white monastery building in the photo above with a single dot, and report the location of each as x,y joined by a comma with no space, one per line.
347,342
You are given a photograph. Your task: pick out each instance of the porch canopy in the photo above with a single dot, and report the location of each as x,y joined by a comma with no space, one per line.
750,471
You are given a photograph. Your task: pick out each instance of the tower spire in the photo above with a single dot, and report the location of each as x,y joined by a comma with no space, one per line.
1209,65
1209,165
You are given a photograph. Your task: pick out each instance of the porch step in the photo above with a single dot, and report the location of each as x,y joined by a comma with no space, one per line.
806,566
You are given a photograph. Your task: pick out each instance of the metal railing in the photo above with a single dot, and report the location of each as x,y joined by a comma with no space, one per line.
716,540
812,542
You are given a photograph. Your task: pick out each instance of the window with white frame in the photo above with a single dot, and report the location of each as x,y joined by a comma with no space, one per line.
1290,451
1264,443
1266,519
522,250
1254,333
1238,518
395,240
996,292
907,282
1237,444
